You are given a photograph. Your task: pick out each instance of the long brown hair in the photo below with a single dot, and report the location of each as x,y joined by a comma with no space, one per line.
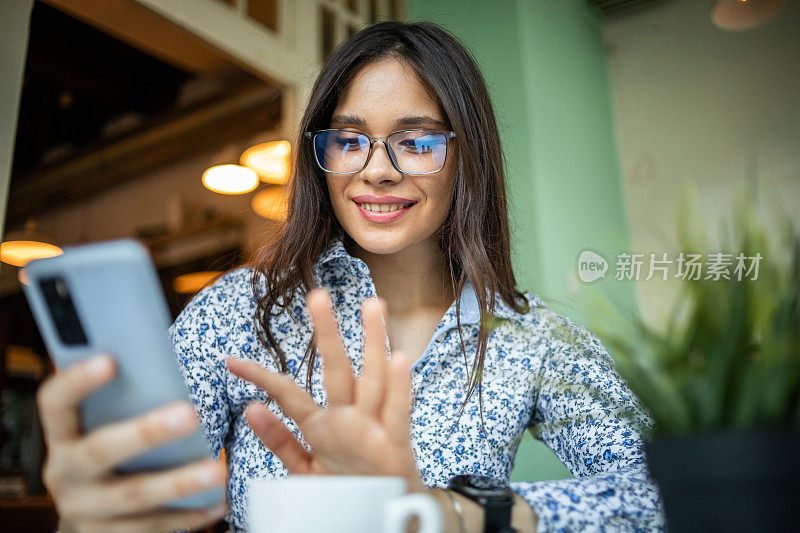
474,237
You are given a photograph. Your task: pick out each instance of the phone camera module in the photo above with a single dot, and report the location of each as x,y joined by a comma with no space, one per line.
62,311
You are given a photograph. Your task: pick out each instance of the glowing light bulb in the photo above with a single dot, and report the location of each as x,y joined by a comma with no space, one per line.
20,253
740,15
271,160
271,203
230,179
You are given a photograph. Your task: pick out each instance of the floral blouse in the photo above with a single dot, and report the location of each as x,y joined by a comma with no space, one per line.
542,373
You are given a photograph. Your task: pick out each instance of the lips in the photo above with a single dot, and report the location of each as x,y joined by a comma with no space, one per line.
385,199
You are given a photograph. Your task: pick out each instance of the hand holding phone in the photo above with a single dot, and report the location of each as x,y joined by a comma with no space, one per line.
111,451
79,470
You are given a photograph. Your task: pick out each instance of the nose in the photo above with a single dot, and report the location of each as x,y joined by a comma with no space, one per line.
379,166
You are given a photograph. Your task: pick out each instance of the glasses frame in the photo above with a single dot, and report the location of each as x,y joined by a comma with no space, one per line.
372,140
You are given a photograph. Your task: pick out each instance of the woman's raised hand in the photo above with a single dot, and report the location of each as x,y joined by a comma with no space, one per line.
78,470
365,429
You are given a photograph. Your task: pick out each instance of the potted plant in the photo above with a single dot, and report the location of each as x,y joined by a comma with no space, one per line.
721,382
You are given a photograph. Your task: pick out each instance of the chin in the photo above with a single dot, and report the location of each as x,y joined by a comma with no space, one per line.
385,241
378,243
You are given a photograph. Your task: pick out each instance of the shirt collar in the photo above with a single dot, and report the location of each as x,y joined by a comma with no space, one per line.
470,311
334,250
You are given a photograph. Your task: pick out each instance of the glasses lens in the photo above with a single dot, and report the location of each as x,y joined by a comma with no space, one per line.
419,151
341,151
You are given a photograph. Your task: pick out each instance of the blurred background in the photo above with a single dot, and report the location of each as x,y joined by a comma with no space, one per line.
172,121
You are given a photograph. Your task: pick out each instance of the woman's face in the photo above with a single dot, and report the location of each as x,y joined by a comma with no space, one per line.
375,102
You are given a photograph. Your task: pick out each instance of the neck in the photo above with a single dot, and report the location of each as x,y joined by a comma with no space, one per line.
412,280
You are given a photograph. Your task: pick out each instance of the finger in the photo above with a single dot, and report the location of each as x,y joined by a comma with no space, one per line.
161,521
397,407
371,386
338,372
140,492
112,444
278,438
60,395
294,401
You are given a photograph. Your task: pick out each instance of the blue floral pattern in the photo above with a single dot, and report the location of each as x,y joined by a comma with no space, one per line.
542,373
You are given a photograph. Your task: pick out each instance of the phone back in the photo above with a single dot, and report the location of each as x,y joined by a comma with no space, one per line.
106,297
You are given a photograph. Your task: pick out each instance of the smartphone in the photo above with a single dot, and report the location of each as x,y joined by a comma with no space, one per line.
106,297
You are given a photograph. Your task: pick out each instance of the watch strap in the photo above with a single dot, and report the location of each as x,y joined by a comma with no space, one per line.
497,516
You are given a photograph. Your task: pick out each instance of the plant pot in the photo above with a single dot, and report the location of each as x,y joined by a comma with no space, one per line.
728,481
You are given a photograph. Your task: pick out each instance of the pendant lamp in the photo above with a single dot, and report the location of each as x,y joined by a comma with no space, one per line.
271,160
20,247
741,15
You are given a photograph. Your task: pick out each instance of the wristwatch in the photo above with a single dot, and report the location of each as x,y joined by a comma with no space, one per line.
493,494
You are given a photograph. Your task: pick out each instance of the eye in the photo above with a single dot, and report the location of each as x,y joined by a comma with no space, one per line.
350,143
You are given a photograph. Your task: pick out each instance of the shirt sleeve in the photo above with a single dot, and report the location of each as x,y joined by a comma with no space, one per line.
588,416
200,343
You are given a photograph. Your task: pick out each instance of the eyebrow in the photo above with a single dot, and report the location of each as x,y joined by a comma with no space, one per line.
355,120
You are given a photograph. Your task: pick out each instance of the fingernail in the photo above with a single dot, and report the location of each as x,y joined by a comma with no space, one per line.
217,511
208,476
98,366
179,418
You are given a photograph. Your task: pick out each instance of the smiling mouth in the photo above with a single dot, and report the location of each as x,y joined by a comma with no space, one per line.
383,208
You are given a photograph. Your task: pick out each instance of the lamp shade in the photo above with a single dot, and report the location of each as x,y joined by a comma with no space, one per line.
740,15
230,179
271,203
20,253
21,247
271,160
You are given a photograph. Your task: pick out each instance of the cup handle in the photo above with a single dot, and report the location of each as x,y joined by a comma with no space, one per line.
399,510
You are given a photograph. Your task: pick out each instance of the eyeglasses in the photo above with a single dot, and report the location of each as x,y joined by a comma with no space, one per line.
411,151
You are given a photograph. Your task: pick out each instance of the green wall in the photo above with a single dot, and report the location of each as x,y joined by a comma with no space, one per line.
545,66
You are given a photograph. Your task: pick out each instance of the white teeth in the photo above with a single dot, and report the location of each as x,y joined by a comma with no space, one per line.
383,208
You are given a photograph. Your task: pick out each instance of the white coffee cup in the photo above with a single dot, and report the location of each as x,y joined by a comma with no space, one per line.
352,504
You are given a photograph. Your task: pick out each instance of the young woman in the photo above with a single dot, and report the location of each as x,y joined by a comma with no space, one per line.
394,255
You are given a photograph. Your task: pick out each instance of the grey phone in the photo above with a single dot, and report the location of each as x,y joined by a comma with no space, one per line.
106,297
